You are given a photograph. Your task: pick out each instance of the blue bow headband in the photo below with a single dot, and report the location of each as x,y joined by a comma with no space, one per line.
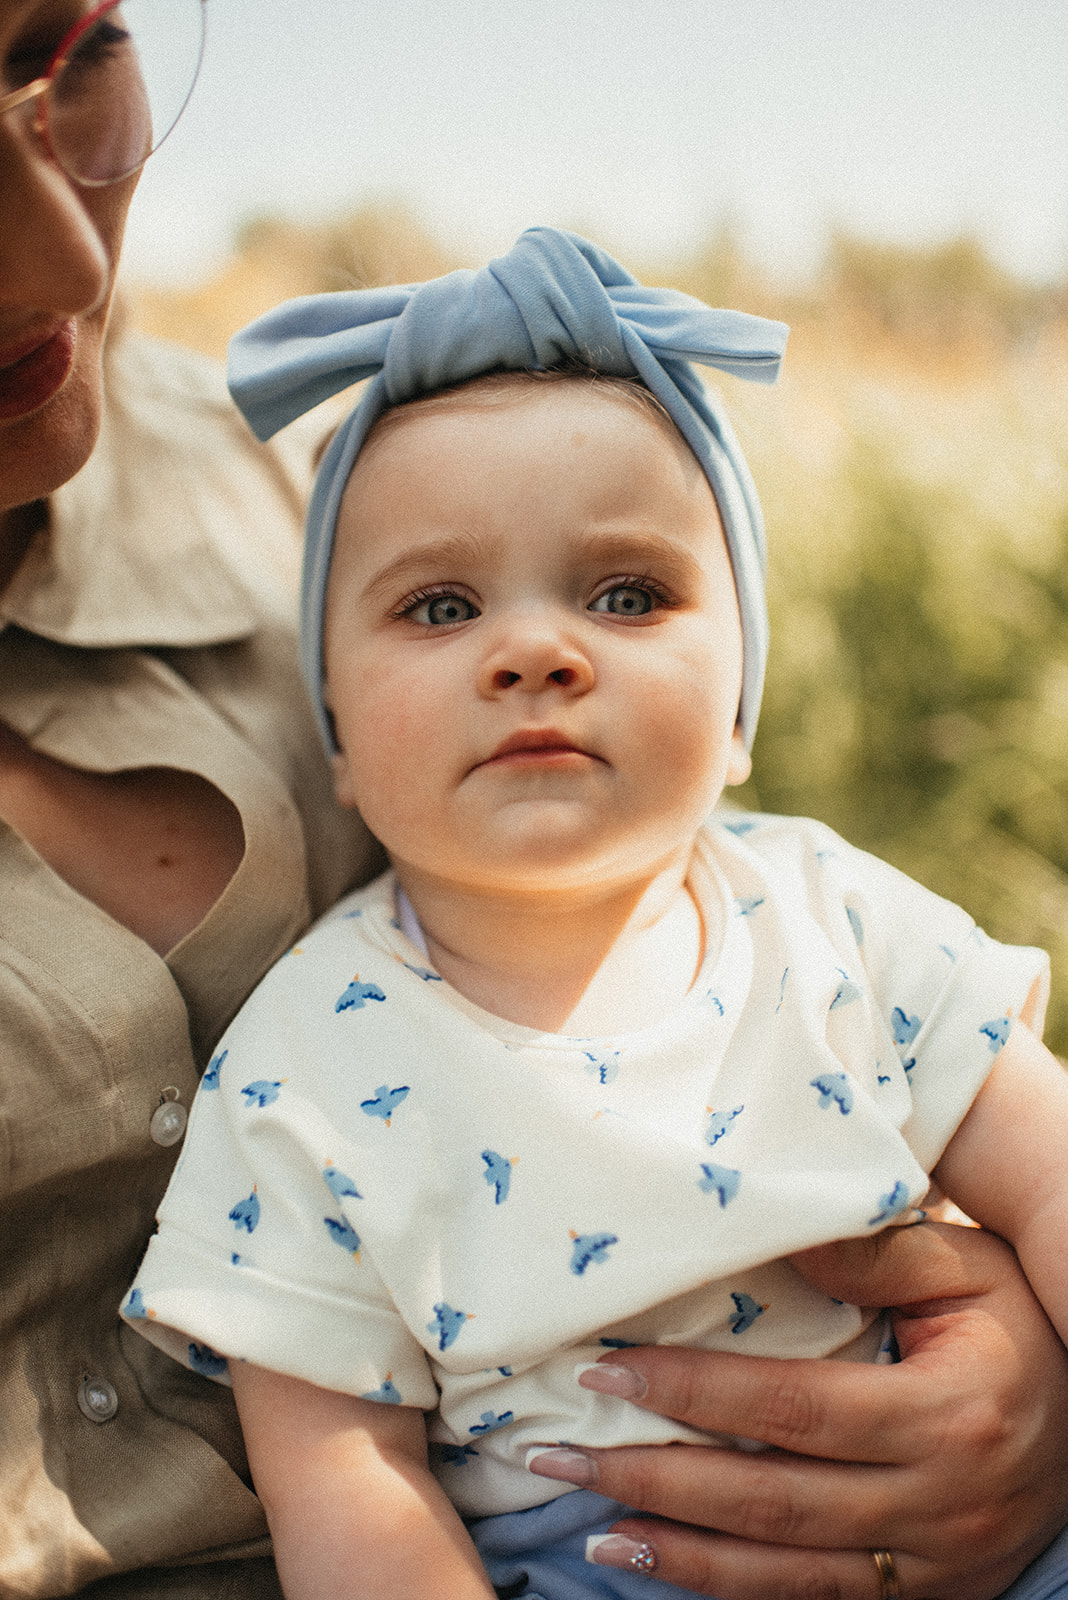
553,298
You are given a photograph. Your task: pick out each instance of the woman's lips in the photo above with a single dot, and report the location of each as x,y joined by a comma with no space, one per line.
35,375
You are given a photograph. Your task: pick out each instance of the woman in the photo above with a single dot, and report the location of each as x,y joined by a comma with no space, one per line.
166,831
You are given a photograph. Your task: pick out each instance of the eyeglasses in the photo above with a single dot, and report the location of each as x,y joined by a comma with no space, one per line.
115,87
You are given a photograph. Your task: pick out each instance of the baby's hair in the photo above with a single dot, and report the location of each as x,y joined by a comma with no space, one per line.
504,384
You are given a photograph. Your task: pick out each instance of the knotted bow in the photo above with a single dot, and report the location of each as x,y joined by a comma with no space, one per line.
553,298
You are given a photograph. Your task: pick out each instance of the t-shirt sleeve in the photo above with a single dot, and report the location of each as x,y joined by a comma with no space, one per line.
258,1255
948,994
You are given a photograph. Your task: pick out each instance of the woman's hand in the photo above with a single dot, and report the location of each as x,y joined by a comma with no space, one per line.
955,1460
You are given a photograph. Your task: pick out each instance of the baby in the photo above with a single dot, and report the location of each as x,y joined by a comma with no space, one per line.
584,1066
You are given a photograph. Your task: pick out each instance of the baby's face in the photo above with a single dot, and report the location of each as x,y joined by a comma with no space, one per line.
532,644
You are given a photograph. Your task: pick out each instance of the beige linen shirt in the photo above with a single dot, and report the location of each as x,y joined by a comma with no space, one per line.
151,624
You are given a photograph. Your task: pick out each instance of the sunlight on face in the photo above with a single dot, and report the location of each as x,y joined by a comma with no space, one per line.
532,643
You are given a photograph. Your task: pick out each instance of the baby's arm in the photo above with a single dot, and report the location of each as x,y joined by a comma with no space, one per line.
1007,1165
352,1506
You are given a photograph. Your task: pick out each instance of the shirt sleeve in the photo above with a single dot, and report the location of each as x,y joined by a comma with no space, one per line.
258,1255
948,994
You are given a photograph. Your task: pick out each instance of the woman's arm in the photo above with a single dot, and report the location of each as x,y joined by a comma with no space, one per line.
956,1460
352,1507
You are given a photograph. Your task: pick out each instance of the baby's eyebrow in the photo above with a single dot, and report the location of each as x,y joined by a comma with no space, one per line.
456,550
638,549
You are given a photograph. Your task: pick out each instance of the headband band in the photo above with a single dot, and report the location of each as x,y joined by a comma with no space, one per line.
553,298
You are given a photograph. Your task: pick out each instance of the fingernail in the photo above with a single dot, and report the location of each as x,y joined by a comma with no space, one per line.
623,1382
568,1466
612,1550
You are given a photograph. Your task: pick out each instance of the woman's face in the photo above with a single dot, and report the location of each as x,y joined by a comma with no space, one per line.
59,247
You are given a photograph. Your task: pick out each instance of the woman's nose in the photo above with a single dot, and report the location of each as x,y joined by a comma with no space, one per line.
536,657
52,258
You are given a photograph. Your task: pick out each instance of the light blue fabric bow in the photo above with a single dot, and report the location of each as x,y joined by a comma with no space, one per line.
553,298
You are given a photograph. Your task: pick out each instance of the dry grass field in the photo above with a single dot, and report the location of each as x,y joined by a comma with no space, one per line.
913,463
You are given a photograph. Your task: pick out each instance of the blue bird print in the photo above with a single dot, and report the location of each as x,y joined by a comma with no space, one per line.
748,903
421,972
340,1184
447,1324
848,991
997,1032
357,995
834,1089
343,1233
246,1213
135,1305
498,1174
712,999
604,1068
387,1394
719,1123
723,1181
903,1027
740,828
745,1312
206,1361
262,1092
618,1344
855,923
384,1102
454,1455
892,1204
587,1247
210,1080
489,1422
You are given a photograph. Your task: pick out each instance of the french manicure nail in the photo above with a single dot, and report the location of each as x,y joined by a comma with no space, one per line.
567,1466
623,1382
612,1550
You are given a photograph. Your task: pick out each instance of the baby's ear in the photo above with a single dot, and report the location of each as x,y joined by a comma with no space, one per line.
739,763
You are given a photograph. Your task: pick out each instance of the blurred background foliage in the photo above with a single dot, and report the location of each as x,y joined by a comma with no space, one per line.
913,463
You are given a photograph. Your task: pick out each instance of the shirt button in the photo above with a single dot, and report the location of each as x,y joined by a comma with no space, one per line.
97,1400
167,1124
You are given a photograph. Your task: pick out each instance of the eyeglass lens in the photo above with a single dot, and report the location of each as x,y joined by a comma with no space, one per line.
123,86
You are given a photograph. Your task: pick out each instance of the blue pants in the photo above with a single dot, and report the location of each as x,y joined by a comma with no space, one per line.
540,1554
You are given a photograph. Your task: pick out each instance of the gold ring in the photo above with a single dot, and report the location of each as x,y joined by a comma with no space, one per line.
889,1588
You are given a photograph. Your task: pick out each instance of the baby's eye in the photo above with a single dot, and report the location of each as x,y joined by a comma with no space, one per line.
438,609
626,600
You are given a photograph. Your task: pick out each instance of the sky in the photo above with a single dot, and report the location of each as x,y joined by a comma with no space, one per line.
643,123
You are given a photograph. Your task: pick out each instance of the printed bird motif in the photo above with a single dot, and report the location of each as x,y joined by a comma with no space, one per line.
855,923
748,903
745,1313
587,1247
997,1032
135,1306
712,999
210,1080
834,1089
340,1184
206,1361
723,1181
447,1324
740,828
343,1233
903,1027
357,995
454,1455
848,991
604,1069
384,1102
387,1394
421,972
498,1174
246,1213
262,1092
719,1123
489,1422
892,1204
618,1344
